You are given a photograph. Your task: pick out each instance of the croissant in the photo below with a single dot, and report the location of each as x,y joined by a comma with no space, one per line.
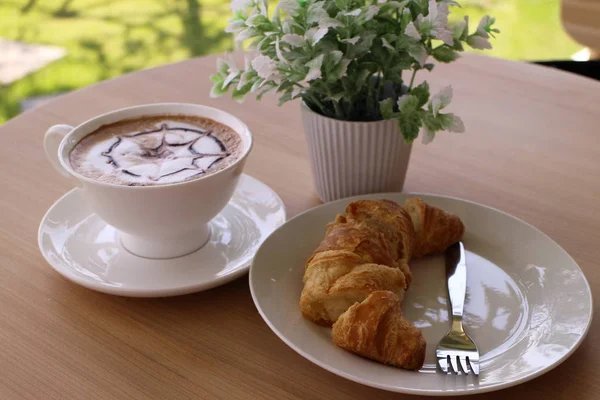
435,229
376,329
366,234
366,250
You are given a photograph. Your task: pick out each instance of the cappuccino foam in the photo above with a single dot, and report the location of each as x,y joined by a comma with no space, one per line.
156,150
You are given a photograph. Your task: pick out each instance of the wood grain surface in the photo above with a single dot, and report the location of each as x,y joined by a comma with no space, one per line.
531,149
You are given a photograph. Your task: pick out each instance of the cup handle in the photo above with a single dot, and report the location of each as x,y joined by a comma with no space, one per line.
52,140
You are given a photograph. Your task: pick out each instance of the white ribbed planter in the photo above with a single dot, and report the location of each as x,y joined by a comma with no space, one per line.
351,158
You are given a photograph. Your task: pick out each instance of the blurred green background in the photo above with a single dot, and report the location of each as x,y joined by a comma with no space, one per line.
107,38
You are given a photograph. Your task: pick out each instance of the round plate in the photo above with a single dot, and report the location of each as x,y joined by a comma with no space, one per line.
528,305
86,250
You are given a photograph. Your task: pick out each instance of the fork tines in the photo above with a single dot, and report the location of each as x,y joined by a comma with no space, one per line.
449,362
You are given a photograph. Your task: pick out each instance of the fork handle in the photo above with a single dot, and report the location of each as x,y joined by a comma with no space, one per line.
457,282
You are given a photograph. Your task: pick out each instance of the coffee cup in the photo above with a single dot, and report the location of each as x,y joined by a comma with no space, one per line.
154,221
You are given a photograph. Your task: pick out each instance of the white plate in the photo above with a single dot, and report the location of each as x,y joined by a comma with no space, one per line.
528,304
86,250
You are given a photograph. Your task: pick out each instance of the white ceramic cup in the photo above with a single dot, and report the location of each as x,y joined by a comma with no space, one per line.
161,221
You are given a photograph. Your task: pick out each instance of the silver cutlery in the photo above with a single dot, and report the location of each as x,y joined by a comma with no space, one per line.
457,348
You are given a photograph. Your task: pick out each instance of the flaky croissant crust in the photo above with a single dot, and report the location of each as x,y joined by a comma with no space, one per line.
360,273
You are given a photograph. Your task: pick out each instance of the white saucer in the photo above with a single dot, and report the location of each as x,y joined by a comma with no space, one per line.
86,250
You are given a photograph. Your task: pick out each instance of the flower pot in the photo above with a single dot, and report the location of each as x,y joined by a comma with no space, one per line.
352,158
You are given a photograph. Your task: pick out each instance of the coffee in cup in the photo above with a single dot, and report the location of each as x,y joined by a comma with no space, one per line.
156,150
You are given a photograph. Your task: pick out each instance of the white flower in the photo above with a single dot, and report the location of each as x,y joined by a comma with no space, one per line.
419,53
387,44
241,5
438,18
353,13
479,43
428,136
329,22
297,91
411,30
246,34
315,68
353,40
371,12
293,40
457,124
481,27
264,66
441,99
314,35
289,6
236,26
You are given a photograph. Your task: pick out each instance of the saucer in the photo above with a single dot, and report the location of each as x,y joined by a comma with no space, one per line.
86,250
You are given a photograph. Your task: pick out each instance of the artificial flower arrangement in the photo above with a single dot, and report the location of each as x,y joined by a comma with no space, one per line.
352,60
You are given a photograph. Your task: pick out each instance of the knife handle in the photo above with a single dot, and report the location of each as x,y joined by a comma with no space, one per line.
456,270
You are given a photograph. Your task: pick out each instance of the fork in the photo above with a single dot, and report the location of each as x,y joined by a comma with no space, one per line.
457,348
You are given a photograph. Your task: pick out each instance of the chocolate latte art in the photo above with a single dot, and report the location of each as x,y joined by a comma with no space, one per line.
156,150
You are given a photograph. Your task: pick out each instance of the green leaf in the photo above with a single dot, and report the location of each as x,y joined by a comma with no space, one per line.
217,89
316,62
421,92
408,104
440,122
444,54
458,45
431,122
400,63
416,8
239,94
409,125
258,20
285,87
429,67
361,77
257,84
333,59
403,42
393,6
387,108
287,96
336,97
343,4
316,12
445,120
363,46
265,89
339,71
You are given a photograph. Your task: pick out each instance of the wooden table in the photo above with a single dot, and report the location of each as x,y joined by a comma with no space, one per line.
531,149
